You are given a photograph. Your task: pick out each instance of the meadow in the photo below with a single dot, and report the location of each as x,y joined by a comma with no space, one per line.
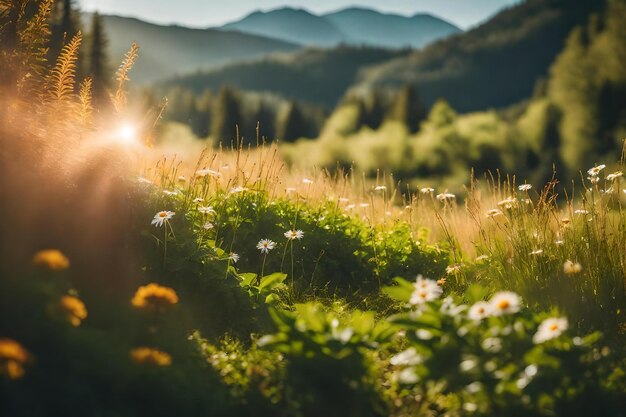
136,280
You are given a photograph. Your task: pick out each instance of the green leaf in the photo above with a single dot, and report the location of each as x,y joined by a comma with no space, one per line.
269,282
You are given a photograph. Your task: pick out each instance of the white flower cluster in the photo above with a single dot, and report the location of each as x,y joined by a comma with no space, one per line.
425,290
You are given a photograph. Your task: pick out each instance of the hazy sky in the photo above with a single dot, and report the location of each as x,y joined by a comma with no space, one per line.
203,13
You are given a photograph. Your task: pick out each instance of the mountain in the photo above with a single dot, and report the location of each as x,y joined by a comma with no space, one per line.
355,26
170,50
294,25
314,75
494,65
388,30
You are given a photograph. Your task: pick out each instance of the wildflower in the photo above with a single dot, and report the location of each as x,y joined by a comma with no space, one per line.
142,180
307,181
294,234
13,357
364,205
425,290
427,190
445,196
593,180
479,311
593,172
150,356
209,172
407,357
233,257
572,268
154,297
162,217
481,258
74,309
265,245
170,193
614,175
536,252
441,282
525,187
581,211
508,203
558,242
198,200
505,302
206,210
549,329
237,190
208,226
343,200
51,259
350,206
380,188
494,213
182,178
453,269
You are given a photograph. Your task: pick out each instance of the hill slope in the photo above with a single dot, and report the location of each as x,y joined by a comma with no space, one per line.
494,65
170,50
355,26
319,76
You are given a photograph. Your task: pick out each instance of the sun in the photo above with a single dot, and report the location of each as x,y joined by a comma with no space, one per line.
127,133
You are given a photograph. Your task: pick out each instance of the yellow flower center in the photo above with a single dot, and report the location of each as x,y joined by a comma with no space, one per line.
162,214
554,328
504,305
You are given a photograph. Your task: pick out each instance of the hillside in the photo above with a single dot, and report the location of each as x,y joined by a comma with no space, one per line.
388,30
354,26
319,76
493,65
170,50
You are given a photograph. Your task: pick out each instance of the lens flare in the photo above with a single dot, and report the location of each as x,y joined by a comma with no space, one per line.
127,133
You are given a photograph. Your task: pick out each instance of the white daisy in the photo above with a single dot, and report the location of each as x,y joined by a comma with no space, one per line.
425,290
581,211
380,188
572,268
198,200
208,226
536,252
209,172
265,245
170,193
596,170
427,190
206,210
525,187
482,258
233,257
445,196
614,175
307,181
505,302
453,269
479,311
549,329
494,213
294,234
162,217
237,190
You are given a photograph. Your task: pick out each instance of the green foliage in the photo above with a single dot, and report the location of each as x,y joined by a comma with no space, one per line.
408,109
226,117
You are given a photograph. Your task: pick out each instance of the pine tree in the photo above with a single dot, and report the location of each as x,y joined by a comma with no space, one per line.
292,125
375,110
265,118
97,68
64,25
408,109
226,116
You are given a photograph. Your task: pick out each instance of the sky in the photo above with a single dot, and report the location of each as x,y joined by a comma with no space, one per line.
207,13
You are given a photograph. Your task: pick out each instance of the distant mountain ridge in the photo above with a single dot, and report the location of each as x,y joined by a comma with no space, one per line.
166,51
354,26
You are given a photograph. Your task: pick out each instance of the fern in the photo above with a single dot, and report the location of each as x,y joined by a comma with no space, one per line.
119,99
84,97
61,79
33,39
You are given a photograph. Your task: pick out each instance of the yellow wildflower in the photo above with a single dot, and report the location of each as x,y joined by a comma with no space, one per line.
51,259
13,357
150,356
73,308
154,297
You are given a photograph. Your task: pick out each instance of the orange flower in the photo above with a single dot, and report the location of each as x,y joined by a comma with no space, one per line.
51,259
73,308
150,356
154,297
13,357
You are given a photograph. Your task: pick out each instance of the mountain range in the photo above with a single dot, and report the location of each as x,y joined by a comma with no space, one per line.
354,26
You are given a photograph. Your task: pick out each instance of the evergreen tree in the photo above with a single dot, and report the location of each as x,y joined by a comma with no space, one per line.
408,109
292,124
98,66
375,110
201,120
64,24
266,120
226,116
